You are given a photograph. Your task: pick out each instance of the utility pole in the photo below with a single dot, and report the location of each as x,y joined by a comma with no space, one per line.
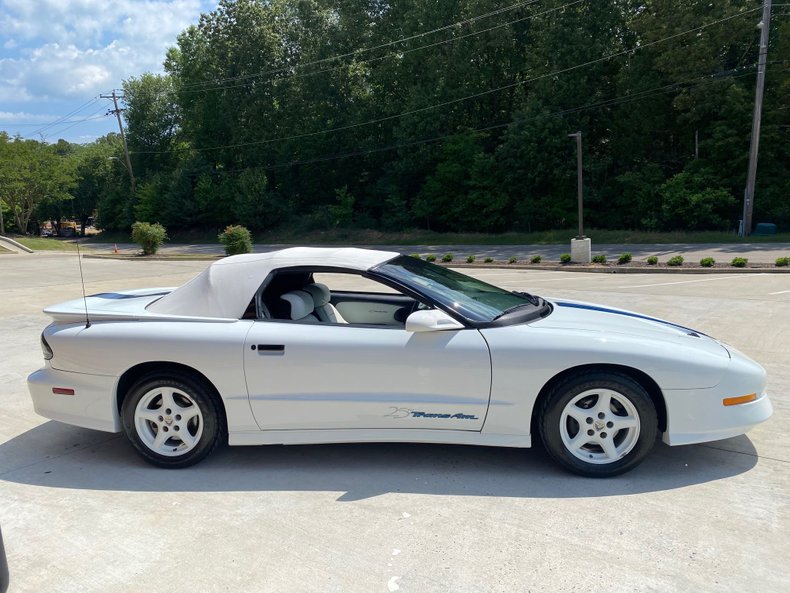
748,195
581,246
117,113
579,196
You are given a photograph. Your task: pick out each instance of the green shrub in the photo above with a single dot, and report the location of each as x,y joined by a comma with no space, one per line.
783,261
652,260
513,259
416,255
707,262
236,239
599,259
739,262
675,261
447,257
430,257
624,259
488,260
149,236
565,258
536,259
470,259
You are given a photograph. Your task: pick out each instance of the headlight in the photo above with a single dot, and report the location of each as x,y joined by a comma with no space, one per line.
45,348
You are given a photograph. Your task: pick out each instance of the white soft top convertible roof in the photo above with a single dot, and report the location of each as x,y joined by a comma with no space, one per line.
227,286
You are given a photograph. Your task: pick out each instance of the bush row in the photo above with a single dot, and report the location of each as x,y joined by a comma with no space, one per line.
625,258
237,239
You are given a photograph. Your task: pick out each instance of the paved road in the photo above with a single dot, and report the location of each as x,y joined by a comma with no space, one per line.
755,252
81,513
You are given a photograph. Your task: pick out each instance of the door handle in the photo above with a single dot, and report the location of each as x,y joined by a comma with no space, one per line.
269,348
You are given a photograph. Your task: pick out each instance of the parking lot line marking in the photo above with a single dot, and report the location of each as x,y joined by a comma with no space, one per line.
564,278
780,292
733,277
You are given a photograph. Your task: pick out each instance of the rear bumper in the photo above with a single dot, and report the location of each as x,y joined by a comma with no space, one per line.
91,406
698,416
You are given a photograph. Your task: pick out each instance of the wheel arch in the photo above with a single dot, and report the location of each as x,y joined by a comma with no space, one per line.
137,372
645,380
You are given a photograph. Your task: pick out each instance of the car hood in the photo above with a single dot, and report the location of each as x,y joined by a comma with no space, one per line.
588,317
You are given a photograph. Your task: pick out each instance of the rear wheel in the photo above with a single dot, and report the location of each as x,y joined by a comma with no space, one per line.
171,421
598,424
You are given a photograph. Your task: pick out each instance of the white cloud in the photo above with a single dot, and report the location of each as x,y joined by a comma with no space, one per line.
65,49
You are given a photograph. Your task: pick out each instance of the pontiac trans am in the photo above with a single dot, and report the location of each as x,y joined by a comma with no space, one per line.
274,349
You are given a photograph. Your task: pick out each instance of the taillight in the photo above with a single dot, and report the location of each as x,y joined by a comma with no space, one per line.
45,348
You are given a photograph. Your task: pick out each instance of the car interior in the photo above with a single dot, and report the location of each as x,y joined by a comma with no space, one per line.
301,296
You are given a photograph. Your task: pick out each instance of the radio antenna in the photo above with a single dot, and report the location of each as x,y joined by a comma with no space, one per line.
82,280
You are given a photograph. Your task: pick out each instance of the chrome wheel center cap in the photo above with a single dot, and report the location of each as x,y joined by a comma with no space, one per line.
599,425
168,420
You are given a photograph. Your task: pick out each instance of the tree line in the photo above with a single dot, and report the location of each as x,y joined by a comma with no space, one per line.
451,116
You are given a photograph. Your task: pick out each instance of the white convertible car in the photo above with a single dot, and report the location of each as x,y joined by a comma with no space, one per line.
273,349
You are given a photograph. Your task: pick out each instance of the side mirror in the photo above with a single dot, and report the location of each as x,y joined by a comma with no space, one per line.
431,320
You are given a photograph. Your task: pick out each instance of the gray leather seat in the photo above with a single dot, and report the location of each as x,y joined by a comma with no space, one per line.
324,310
301,304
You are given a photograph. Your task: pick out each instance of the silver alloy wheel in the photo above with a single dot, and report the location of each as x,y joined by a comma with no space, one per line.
168,421
599,426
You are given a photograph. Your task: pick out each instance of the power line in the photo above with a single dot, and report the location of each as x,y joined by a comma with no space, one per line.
605,103
82,107
461,99
77,122
67,121
368,49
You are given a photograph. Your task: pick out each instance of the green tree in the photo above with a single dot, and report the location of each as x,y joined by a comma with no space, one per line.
33,175
256,118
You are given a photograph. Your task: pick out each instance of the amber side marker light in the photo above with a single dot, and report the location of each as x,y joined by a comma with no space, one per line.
62,391
741,399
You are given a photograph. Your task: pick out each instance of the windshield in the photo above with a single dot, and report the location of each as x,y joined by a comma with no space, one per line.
472,298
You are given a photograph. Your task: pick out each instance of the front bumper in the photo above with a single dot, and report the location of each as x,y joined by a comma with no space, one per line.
91,406
698,416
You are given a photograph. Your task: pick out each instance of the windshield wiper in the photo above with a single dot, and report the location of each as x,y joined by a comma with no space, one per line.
513,308
535,300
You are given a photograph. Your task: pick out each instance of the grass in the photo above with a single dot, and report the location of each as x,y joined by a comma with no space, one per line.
421,237
46,243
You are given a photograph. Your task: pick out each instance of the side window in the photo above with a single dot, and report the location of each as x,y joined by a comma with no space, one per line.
351,283
343,298
362,301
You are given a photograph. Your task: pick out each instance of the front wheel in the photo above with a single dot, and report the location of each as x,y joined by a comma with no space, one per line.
171,421
598,424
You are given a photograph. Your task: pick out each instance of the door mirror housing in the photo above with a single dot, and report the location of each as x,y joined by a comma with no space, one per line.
431,320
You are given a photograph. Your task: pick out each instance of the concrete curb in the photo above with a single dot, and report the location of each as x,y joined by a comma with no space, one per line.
604,269
594,268
16,245
145,258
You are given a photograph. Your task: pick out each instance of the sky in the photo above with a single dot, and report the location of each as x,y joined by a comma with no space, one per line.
57,56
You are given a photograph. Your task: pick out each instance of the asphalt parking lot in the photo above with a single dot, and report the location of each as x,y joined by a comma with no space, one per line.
81,512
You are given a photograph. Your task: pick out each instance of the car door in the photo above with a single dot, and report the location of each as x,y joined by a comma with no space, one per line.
307,375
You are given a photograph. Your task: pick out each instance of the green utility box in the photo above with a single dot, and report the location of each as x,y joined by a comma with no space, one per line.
765,228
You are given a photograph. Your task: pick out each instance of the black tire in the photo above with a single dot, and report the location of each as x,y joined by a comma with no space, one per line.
559,428
204,430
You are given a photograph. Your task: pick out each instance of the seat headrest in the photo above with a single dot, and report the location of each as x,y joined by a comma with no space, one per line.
319,292
301,303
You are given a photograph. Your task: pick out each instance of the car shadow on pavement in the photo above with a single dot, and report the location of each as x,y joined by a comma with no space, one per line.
55,455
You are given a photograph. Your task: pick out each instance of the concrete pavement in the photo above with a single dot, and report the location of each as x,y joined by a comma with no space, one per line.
81,513
692,252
